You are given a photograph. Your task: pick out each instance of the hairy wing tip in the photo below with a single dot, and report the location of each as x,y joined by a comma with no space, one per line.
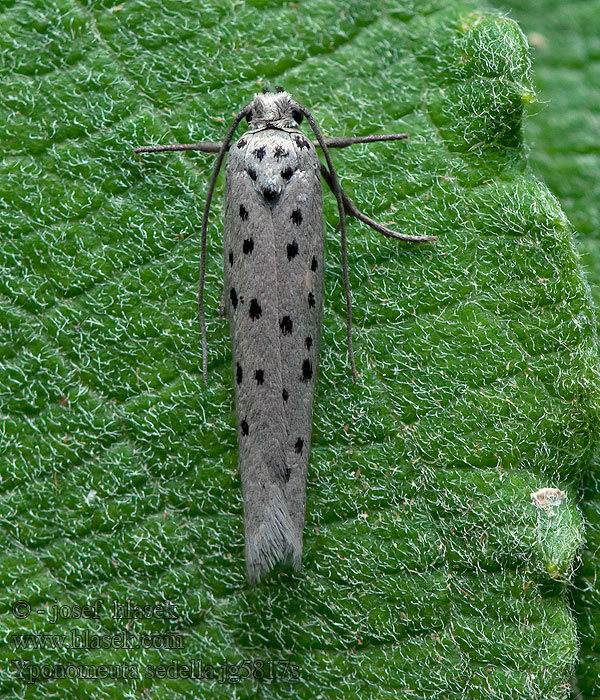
273,544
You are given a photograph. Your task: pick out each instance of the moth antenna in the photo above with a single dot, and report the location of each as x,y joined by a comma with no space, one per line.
211,189
353,210
337,190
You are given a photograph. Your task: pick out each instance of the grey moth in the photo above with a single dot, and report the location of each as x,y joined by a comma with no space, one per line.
273,259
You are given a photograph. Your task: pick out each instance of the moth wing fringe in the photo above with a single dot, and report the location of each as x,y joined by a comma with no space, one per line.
273,542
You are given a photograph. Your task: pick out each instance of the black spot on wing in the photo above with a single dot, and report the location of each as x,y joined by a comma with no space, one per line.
307,371
255,310
301,142
292,250
299,445
271,194
259,375
287,173
238,373
314,264
241,143
243,213
280,153
259,153
231,257
296,217
311,300
248,246
286,474
234,298
252,174
308,342
244,427
286,325
284,395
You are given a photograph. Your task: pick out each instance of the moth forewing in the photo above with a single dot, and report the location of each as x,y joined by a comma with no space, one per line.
273,242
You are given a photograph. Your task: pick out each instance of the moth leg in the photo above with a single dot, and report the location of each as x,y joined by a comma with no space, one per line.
212,147
352,210
345,141
204,146
222,304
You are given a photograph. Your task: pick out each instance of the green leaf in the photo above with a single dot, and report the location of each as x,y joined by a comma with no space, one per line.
427,568
562,131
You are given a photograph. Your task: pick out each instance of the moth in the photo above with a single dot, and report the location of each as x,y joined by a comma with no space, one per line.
273,298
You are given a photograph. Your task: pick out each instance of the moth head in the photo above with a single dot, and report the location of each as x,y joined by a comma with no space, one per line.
273,110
